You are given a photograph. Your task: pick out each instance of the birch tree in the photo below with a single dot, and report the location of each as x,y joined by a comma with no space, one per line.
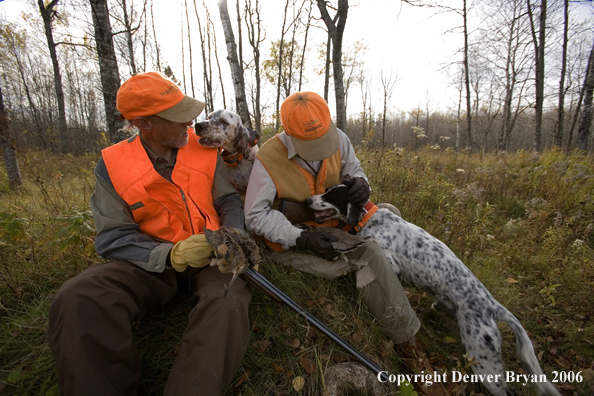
236,70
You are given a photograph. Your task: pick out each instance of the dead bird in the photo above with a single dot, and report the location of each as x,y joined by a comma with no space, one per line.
234,251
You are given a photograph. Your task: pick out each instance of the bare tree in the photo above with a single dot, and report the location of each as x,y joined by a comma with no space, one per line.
254,32
467,78
586,121
307,26
48,13
190,48
157,47
207,75
336,31
10,158
388,83
108,67
539,61
236,70
558,137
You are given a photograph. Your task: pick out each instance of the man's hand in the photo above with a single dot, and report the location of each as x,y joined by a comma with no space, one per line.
194,252
318,243
358,191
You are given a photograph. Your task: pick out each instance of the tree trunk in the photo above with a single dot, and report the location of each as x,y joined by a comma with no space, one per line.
47,15
10,158
190,50
304,45
254,38
336,31
108,67
584,130
467,81
208,99
579,106
236,70
327,68
129,42
558,137
157,48
539,47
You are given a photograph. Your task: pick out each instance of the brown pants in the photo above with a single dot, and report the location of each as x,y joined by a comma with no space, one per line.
378,284
90,330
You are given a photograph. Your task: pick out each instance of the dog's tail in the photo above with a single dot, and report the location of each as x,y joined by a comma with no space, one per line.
526,354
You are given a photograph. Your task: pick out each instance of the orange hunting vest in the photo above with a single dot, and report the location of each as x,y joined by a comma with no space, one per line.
164,210
294,183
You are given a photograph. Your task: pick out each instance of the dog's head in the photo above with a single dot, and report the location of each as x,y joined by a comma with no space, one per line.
334,204
223,128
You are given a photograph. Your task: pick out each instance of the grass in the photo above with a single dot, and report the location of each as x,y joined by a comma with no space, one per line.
523,224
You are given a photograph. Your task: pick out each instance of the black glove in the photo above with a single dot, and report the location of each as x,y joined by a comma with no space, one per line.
358,193
318,243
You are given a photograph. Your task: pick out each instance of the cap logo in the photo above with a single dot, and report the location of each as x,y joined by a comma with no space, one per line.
172,89
312,126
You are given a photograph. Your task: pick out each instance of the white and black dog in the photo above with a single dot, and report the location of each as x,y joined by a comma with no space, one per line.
423,261
237,144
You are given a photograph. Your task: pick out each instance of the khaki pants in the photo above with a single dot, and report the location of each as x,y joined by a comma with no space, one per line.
378,284
90,330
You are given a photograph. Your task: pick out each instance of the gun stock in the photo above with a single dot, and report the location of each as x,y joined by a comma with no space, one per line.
263,284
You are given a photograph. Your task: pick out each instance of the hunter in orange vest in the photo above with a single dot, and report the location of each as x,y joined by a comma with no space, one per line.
155,195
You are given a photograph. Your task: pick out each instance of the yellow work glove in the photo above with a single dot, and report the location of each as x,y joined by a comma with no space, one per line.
194,252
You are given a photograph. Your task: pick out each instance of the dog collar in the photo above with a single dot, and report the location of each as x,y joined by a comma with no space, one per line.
234,159
231,159
370,208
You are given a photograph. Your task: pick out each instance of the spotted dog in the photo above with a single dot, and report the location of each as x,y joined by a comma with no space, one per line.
237,144
422,261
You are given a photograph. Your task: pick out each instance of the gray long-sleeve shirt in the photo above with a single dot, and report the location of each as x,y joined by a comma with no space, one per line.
261,192
118,235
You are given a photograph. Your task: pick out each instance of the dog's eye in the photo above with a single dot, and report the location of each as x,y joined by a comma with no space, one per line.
224,122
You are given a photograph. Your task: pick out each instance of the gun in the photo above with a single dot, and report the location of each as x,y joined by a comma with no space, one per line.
260,282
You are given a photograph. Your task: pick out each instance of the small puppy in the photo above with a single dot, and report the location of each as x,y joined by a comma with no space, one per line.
423,261
237,144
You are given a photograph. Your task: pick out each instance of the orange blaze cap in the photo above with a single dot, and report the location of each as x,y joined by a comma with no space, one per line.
306,119
153,93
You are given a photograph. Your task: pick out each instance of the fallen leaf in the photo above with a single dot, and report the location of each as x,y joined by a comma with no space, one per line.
511,280
330,311
262,345
588,374
294,343
449,340
277,368
308,365
298,383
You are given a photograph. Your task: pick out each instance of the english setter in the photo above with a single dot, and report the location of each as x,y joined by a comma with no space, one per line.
423,261
237,144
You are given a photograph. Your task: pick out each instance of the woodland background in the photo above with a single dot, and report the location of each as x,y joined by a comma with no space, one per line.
503,175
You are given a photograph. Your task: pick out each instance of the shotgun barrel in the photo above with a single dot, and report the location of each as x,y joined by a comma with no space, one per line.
260,282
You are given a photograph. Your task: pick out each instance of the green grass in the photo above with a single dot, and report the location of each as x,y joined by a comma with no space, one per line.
523,224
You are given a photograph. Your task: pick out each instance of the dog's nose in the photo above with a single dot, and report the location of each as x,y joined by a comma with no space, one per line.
198,126
308,201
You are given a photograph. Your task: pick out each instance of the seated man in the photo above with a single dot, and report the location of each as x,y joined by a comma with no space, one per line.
155,194
308,157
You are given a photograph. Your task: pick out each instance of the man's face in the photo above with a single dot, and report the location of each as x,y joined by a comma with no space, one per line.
168,133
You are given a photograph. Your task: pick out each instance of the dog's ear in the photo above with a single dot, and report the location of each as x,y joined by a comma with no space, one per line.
254,135
354,214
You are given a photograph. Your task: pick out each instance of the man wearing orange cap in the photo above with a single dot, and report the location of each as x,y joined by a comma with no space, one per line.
308,157
155,194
